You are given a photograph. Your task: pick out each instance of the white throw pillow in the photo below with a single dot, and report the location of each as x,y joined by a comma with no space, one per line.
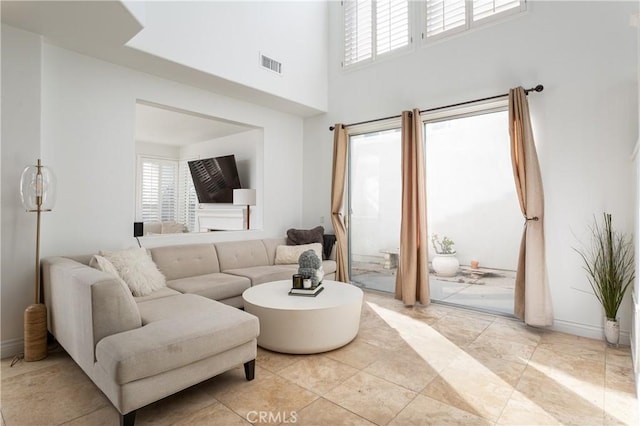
287,255
102,264
137,269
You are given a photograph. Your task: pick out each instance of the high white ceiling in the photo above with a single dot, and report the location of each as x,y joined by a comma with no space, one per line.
83,26
164,125
101,29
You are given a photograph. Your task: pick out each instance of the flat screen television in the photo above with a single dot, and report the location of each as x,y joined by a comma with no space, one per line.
215,179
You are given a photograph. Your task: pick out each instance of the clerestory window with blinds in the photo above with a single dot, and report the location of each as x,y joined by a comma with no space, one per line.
158,185
374,28
446,17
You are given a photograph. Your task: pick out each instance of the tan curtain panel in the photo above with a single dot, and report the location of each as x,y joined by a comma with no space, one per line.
337,201
532,297
412,279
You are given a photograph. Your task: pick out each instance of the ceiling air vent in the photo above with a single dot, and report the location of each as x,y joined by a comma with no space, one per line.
270,64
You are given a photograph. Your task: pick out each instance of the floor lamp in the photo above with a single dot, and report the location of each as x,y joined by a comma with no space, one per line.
245,197
37,191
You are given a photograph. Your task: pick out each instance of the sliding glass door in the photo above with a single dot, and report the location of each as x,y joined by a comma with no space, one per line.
471,200
374,208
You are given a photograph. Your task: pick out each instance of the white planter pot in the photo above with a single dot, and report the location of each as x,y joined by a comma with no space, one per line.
445,265
612,331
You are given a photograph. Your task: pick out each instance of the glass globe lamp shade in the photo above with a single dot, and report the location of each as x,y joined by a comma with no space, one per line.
38,189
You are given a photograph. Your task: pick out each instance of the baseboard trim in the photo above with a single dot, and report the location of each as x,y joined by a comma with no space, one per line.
11,347
589,331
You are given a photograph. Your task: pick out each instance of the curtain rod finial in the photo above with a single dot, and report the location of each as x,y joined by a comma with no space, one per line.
539,88
331,128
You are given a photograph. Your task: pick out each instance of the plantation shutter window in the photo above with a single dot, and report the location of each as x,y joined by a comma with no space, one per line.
373,28
392,25
158,186
485,8
445,16
358,31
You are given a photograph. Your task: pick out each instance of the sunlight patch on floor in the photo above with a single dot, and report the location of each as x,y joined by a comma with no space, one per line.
476,388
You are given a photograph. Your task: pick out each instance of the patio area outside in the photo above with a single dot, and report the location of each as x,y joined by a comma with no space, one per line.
485,289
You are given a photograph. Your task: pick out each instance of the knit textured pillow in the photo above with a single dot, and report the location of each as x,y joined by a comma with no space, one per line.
137,269
288,255
102,264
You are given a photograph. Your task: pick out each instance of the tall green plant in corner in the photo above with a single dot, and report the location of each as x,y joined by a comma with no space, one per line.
610,269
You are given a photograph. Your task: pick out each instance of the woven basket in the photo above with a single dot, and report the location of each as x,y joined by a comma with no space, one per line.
35,332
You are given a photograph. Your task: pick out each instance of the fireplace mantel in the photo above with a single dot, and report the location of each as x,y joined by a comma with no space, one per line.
221,219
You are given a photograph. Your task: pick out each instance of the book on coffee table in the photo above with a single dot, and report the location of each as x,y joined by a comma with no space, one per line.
313,291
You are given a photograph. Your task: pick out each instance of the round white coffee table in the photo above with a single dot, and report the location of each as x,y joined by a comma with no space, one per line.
305,325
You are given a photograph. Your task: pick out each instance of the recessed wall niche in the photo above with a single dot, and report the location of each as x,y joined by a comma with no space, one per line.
167,139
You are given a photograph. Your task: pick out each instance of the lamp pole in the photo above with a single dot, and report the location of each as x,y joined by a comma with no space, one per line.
33,186
38,212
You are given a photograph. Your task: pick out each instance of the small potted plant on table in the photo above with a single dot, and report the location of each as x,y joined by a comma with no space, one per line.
445,262
609,266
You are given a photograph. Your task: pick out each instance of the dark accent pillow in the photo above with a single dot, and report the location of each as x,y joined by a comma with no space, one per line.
329,241
296,237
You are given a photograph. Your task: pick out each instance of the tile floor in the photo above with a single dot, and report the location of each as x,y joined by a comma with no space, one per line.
408,366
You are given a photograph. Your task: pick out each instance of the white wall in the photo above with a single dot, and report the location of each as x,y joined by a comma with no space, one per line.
158,150
86,112
21,100
226,38
585,121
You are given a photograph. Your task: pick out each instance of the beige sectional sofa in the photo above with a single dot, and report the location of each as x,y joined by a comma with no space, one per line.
222,271
138,350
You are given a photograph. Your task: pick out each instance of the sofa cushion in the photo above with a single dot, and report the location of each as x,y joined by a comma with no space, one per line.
179,330
241,254
287,255
163,292
265,274
216,286
329,266
305,236
188,260
137,269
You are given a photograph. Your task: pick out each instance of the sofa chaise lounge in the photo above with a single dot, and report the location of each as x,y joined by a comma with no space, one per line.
138,350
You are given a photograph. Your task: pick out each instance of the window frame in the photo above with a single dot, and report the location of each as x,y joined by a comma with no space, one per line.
394,123
445,34
141,158
375,56
469,25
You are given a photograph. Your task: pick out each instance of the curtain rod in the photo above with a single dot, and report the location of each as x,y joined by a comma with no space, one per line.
538,88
